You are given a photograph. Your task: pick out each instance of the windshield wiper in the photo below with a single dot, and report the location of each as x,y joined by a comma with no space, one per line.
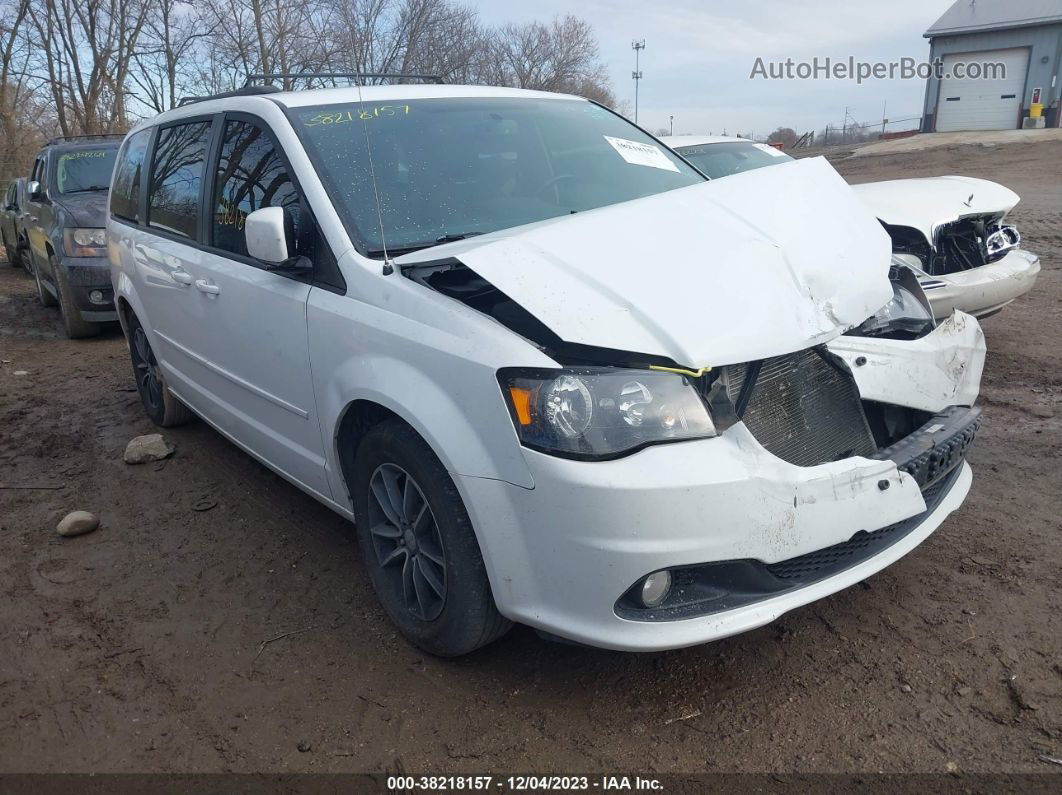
450,237
409,248
88,189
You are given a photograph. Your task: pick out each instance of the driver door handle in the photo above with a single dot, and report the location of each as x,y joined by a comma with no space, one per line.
206,287
181,277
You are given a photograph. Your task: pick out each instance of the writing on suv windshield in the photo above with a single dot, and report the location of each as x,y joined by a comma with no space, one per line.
447,169
84,170
731,157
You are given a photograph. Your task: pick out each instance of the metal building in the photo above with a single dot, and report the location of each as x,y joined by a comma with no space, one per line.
1025,36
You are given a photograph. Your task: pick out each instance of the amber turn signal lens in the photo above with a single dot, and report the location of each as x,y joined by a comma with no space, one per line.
522,403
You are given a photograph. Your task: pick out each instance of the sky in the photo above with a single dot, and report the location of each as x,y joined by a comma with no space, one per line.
699,54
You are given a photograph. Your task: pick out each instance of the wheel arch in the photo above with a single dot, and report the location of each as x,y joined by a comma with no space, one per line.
357,419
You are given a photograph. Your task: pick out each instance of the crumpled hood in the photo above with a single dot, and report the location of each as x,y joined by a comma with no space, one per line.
759,264
86,210
927,203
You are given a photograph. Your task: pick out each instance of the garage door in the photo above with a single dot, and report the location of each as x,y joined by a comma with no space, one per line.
983,104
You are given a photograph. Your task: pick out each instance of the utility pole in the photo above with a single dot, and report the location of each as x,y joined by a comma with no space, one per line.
637,46
671,121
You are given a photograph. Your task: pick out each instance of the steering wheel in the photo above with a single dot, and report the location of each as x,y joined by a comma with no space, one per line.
549,183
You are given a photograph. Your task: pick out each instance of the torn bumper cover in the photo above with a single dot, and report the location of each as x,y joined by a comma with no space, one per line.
983,291
746,535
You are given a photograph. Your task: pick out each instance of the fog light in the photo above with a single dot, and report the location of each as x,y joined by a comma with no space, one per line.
97,297
655,588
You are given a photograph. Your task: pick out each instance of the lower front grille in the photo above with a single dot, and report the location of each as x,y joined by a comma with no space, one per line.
726,585
801,407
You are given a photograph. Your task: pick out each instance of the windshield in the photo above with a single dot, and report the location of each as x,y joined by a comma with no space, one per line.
731,157
450,168
84,170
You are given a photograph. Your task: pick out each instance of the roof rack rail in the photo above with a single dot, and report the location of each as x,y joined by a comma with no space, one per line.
246,91
350,75
62,138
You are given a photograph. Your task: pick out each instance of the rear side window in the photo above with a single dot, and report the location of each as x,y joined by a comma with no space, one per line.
176,178
251,175
125,189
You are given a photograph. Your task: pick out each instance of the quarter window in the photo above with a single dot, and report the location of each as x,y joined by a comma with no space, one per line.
125,191
176,178
251,175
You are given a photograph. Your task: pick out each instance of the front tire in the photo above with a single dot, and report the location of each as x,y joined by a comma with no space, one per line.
160,405
419,546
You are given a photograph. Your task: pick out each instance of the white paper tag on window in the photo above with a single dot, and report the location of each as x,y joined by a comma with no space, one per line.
641,154
770,150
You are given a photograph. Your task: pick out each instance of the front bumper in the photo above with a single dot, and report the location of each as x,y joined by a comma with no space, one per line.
985,290
86,275
561,555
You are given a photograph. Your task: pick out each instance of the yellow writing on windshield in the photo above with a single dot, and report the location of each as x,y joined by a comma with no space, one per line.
344,116
80,155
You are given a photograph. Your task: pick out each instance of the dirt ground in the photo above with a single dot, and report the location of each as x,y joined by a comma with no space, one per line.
220,620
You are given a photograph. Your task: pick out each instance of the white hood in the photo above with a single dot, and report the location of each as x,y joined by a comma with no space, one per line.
924,204
759,264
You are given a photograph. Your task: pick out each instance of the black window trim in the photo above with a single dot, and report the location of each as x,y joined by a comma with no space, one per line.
208,207
213,119
204,219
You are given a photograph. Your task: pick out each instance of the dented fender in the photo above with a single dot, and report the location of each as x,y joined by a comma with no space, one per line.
939,370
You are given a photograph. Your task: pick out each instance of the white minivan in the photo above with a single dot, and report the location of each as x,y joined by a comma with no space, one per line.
553,374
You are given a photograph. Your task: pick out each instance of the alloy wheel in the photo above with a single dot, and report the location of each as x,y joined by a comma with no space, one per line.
147,369
407,542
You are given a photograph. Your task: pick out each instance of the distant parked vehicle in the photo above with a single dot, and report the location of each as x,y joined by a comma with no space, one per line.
950,230
13,223
66,213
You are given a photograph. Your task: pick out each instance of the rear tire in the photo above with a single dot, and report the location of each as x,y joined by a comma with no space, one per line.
75,327
161,406
419,546
45,297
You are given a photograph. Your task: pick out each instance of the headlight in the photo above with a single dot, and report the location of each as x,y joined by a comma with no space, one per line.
85,242
904,314
601,412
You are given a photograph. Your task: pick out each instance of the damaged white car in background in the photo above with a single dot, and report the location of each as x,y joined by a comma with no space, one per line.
555,375
951,231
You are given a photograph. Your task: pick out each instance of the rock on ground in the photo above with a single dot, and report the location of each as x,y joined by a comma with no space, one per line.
77,523
151,447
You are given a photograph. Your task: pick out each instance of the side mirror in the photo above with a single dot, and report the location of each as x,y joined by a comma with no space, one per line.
268,239
34,191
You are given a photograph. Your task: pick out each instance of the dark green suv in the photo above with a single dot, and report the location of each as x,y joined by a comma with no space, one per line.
65,216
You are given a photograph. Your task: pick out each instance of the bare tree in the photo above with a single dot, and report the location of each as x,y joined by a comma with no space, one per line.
162,64
560,56
24,120
86,47
97,62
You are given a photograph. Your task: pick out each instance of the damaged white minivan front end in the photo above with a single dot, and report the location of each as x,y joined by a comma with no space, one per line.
737,411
